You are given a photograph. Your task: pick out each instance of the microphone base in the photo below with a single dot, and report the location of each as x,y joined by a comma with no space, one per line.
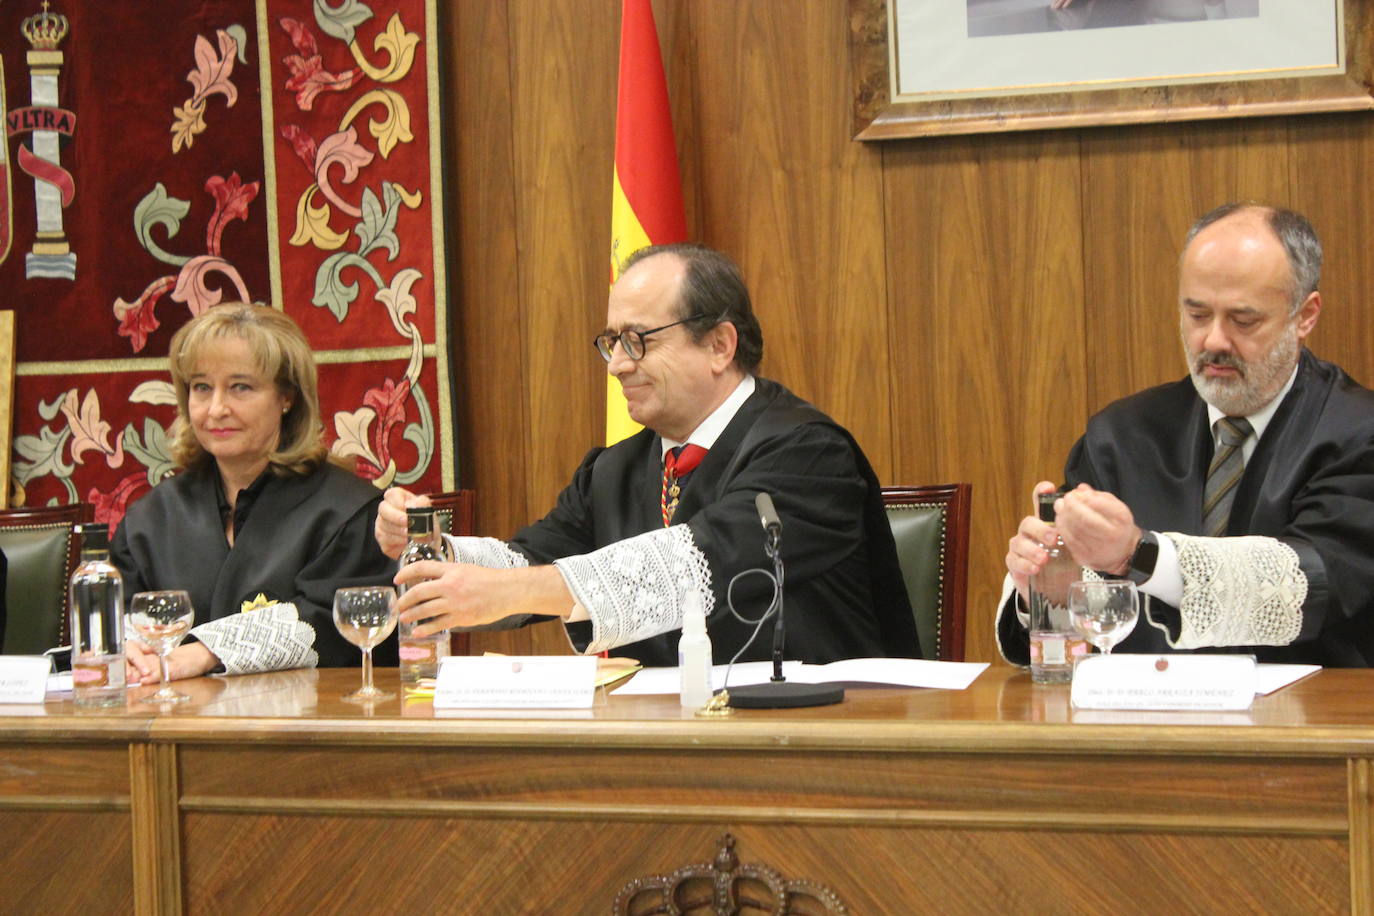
784,695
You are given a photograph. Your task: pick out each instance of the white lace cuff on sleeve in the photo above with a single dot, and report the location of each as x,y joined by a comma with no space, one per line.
1238,591
273,638
488,552
635,588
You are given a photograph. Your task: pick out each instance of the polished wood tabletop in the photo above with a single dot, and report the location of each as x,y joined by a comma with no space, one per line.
1330,713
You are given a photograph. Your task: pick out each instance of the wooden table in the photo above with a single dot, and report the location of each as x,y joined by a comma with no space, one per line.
268,794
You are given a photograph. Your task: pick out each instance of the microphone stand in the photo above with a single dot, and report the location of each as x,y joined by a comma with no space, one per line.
770,546
779,693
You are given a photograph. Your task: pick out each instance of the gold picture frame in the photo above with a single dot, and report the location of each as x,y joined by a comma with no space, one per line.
877,117
6,402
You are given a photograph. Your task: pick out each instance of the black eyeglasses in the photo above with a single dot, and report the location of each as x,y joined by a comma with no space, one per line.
632,341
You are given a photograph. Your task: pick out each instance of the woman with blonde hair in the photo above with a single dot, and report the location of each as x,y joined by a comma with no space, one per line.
258,520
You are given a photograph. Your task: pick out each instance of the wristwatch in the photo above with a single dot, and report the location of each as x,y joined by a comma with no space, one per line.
1142,563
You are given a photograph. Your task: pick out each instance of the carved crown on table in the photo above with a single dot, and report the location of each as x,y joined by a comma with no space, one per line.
724,886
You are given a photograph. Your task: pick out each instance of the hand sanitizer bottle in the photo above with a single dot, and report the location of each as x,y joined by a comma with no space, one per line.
694,654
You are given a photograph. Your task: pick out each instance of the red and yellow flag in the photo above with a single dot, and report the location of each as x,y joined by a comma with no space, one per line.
646,202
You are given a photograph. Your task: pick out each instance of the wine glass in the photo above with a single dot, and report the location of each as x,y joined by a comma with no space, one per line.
1104,611
365,616
161,620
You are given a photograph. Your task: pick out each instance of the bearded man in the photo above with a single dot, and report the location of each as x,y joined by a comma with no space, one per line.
1240,499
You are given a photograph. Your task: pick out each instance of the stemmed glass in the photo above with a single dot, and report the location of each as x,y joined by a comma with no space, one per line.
1105,611
162,620
365,616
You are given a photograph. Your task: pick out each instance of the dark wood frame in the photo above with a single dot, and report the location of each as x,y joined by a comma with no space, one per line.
957,499
877,118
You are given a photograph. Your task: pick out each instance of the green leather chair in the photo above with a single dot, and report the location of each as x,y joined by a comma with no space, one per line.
931,528
41,553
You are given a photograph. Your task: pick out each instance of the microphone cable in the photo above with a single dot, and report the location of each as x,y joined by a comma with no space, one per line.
774,606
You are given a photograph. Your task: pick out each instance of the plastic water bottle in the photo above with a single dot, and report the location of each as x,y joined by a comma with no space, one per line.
694,654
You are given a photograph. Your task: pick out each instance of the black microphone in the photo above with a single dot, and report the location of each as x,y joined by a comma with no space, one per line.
772,528
772,525
779,692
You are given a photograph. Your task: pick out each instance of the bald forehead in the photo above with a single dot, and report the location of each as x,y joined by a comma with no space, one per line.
1243,242
647,295
662,268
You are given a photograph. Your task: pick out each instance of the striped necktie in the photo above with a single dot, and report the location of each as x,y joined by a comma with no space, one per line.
677,464
1228,464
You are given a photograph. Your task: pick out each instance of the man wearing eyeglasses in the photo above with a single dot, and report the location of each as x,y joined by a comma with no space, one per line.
669,513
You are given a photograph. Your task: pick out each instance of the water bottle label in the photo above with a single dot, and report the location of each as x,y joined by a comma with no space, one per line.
84,675
418,651
1049,650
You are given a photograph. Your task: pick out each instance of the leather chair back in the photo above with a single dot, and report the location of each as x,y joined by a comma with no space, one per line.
453,511
41,553
931,527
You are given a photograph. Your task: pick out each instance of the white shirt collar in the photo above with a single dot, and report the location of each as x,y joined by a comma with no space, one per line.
710,429
1259,420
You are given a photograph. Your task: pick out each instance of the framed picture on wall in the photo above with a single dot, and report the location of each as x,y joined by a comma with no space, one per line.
928,67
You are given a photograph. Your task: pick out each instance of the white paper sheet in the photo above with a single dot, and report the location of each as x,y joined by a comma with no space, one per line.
897,672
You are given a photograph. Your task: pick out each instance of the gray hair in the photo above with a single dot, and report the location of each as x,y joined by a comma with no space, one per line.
1295,234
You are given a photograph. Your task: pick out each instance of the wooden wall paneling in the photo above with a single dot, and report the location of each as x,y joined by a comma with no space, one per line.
678,44
488,325
984,261
1333,185
562,115
564,79
786,193
494,437
1142,188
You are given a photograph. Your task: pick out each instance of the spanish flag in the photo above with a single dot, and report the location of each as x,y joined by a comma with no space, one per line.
646,201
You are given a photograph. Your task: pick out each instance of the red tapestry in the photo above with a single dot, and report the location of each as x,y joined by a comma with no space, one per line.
164,158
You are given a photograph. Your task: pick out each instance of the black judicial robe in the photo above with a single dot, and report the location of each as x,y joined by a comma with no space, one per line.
303,538
1309,483
843,591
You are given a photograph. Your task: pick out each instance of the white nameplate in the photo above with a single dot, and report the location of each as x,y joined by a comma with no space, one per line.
1131,681
24,678
516,682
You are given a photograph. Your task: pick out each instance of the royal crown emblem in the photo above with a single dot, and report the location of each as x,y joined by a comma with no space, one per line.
46,125
45,30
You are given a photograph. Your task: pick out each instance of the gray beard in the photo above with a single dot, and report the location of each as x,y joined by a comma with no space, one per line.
1259,380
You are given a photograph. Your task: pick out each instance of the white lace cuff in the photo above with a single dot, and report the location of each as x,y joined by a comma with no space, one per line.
488,552
635,588
1238,591
272,638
